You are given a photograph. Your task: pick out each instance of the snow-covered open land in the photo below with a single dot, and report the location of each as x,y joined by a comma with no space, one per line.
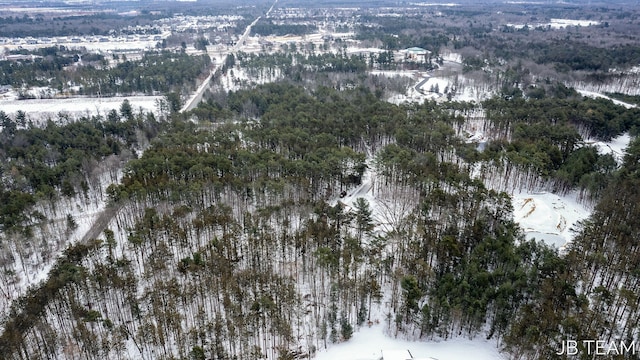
616,147
557,24
370,343
42,109
548,217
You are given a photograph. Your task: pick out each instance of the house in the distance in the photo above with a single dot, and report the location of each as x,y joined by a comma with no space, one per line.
416,54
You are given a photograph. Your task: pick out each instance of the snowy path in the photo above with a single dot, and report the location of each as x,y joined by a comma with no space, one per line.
365,189
593,94
101,222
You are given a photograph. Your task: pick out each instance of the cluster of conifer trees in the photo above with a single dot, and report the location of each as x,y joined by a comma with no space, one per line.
153,74
229,241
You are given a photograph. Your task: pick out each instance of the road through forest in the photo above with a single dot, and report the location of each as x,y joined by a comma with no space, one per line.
109,212
196,97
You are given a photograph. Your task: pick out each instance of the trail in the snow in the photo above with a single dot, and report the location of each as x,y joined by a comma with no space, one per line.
101,222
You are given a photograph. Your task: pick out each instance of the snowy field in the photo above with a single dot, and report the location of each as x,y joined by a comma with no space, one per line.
113,45
396,73
370,343
43,108
558,24
451,57
548,217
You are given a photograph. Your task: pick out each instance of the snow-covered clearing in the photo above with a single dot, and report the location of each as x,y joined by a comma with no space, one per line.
451,57
547,216
412,95
593,94
356,50
434,85
50,108
551,217
239,78
381,211
370,343
557,24
466,89
616,147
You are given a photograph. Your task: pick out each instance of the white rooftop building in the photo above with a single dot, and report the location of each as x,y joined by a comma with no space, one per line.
415,54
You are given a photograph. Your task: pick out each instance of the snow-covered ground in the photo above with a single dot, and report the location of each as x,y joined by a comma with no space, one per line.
448,77
32,264
357,50
593,94
239,78
365,191
550,217
119,44
395,73
43,108
370,343
435,85
558,24
451,57
616,147
414,95
547,216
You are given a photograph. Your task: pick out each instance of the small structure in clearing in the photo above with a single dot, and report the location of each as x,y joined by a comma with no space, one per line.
416,54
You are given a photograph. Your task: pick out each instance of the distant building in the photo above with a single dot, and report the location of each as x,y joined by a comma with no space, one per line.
417,54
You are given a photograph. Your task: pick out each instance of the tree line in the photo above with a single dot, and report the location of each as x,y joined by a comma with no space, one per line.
155,73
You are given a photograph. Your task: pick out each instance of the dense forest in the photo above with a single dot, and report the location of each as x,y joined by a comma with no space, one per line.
181,271
280,216
95,24
90,74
